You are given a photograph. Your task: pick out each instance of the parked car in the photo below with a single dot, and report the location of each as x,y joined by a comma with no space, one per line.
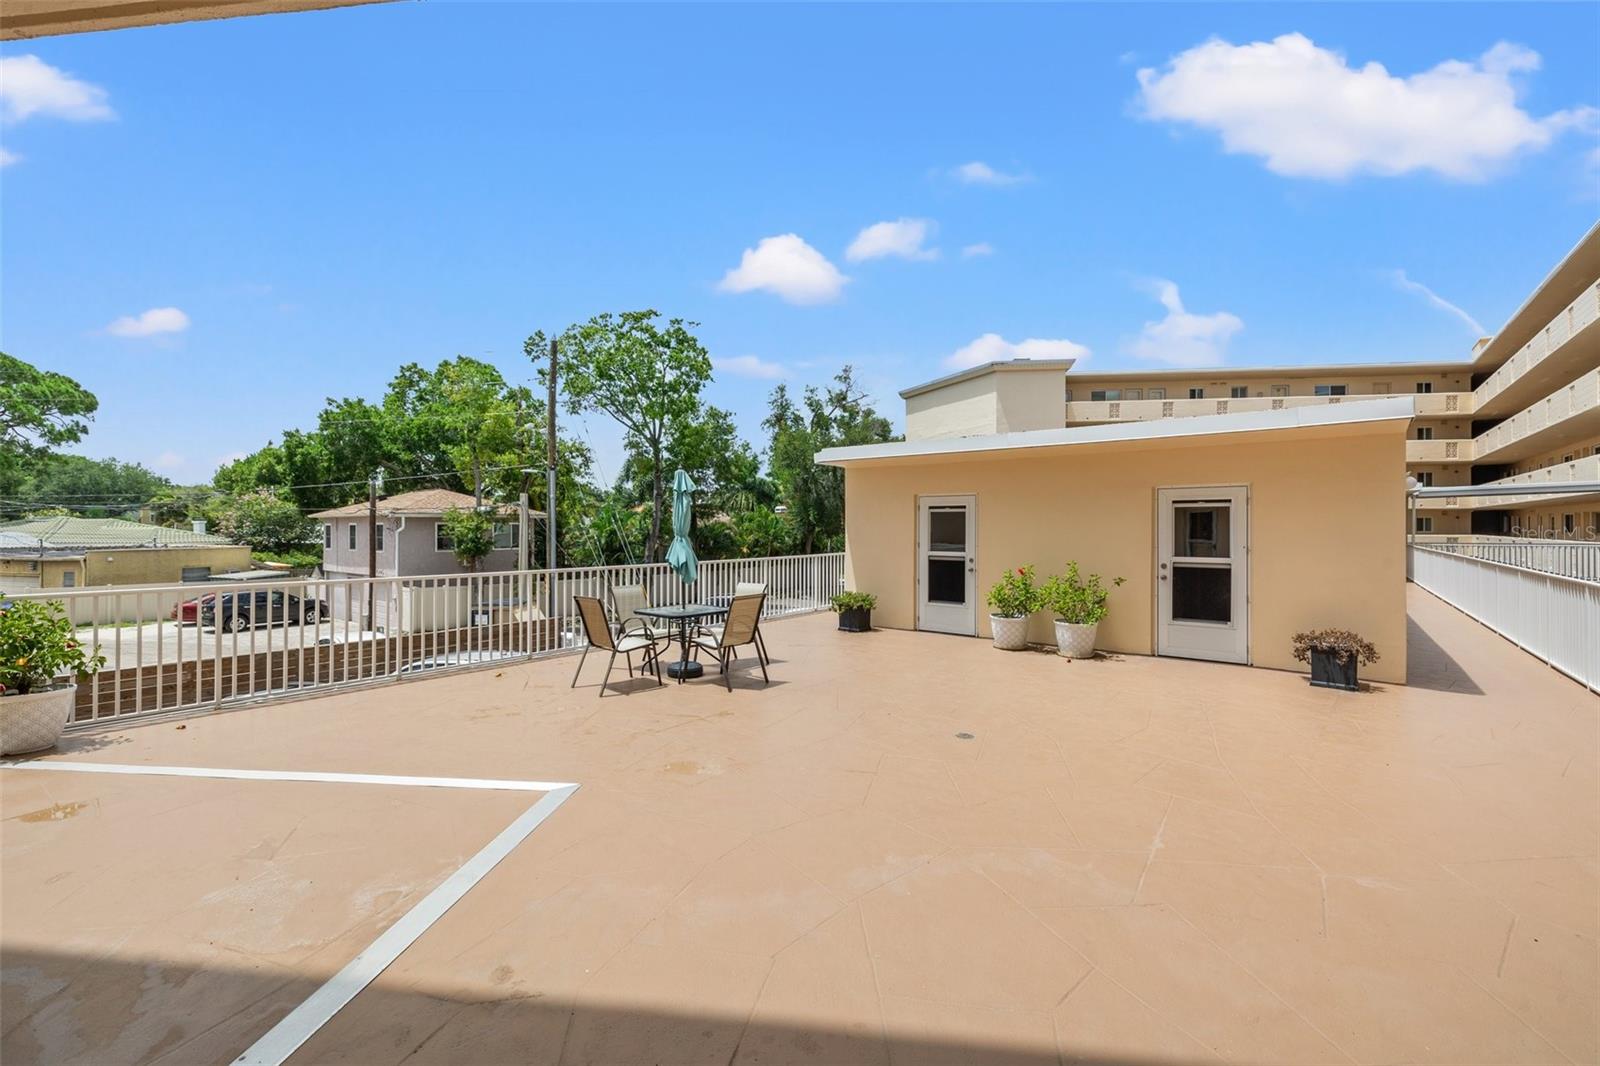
233,611
188,612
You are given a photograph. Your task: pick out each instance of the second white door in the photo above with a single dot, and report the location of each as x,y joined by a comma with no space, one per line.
1202,573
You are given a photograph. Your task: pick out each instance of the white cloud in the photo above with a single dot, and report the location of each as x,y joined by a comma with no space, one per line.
904,238
788,267
29,86
991,347
972,251
1405,284
978,172
7,158
150,323
168,461
1184,339
749,366
1308,113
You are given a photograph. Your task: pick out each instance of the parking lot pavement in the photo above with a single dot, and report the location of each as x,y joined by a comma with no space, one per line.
149,643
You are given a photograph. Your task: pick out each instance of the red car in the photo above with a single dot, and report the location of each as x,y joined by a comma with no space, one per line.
188,612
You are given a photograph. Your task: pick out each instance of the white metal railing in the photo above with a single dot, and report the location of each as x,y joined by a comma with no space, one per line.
1554,617
198,645
1578,559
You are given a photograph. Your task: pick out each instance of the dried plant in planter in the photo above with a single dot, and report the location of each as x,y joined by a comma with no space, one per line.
1340,643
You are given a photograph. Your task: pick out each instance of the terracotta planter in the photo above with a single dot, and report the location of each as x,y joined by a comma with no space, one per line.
1075,641
34,722
1010,634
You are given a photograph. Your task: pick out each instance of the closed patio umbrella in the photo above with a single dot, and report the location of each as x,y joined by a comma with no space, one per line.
680,555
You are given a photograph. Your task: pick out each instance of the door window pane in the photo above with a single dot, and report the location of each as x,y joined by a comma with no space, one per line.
1202,593
947,529
1201,530
947,581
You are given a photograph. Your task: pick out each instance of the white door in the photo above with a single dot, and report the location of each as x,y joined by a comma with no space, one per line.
1202,573
946,564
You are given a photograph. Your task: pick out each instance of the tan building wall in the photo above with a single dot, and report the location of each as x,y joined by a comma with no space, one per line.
1324,513
157,566
1000,399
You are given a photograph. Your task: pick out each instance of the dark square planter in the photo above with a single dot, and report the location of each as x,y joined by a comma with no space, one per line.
1328,671
856,620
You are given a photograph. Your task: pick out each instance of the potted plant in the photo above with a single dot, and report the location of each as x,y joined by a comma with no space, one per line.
1011,600
40,657
1079,605
855,610
1333,655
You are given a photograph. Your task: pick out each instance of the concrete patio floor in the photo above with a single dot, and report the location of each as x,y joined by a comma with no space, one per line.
1129,860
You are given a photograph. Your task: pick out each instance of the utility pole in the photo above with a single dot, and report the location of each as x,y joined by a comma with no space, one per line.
550,464
524,548
374,486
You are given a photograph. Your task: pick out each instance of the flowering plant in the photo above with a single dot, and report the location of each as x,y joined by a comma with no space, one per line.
1340,643
1076,599
38,645
1015,595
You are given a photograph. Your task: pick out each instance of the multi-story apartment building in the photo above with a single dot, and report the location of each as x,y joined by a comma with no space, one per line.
1522,409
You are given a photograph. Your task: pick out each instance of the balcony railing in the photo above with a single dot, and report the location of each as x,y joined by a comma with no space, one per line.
1429,405
1439,451
1568,323
208,645
1584,468
1570,401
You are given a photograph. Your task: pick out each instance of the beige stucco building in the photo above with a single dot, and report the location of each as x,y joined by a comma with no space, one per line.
1233,531
70,552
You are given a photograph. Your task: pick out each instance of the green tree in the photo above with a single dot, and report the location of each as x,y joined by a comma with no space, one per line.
760,532
643,374
835,416
265,521
97,487
471,534
39,409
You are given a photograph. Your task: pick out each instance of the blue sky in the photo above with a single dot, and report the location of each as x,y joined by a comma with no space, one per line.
214,226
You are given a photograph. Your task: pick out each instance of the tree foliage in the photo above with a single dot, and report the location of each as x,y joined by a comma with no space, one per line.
836,415
39,410
94,487
644,374
471,534
265,520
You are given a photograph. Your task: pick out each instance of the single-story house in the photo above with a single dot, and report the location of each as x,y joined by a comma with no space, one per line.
69,552
1233,532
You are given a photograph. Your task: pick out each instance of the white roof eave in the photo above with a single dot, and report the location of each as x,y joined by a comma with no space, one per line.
1353,412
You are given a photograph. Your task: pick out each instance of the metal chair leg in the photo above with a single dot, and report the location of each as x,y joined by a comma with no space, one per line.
655,658
765,680
610,664
727,671
579,670
761,647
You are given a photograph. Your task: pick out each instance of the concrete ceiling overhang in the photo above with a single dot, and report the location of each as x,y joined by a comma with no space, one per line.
24,19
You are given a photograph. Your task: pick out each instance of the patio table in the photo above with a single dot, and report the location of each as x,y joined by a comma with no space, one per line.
683,615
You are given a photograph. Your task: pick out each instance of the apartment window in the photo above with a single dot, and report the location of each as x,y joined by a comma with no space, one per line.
1102,395
1135,394
506,535
1280,390
1424,386
327,535
377,540
1425,478
441,539
1567,458
1568,525
352,536
1424,524
1197,394
1380,388
1239,392
195,573
1424,432
69,579
1161,394
1069,395
1330,390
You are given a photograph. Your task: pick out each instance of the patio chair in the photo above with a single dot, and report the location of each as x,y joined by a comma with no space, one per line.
744,616
745,588
625,603
626,641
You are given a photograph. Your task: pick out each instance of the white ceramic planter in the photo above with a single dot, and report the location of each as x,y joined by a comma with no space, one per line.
1075,641
35,721
1010,634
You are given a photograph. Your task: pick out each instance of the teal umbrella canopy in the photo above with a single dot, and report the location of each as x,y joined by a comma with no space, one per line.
680,555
